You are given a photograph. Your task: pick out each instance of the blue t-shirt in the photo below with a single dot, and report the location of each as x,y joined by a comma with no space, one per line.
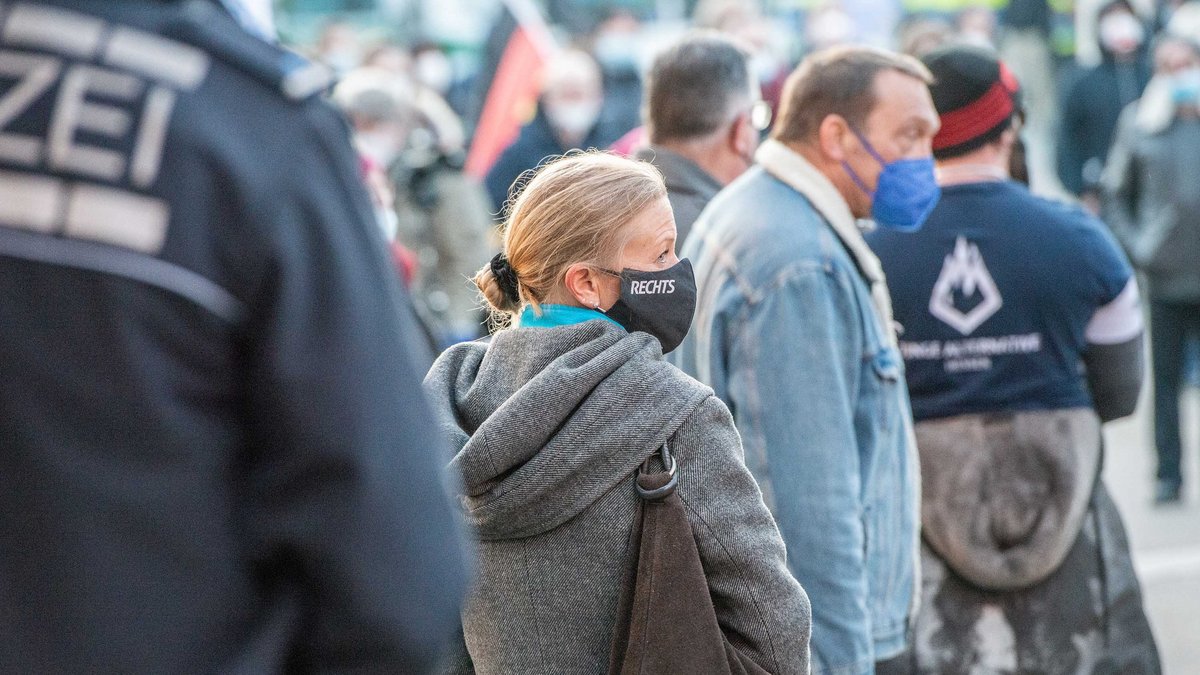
993,295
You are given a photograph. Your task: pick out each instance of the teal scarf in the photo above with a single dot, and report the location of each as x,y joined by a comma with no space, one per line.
559,315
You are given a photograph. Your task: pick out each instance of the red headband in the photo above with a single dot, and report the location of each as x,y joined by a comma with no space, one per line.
977,117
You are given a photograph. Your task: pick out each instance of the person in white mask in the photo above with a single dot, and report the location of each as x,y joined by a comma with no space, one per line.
1092,102
568,118
377,105
338,47
1153,206
572,97
426,203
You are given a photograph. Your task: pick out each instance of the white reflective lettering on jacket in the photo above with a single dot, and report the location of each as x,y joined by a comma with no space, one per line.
110,116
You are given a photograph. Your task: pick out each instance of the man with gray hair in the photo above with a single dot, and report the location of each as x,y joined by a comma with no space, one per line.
703,115
794,332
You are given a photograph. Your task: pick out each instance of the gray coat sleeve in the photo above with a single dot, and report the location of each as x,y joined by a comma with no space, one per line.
760,606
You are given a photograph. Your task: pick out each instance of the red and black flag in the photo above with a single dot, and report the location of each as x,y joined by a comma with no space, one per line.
518,48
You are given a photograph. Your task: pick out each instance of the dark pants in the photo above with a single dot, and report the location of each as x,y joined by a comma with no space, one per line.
1172,325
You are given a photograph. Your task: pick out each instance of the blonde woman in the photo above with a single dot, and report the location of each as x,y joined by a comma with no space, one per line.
553,417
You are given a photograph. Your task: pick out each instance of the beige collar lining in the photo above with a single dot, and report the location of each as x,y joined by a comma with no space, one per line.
794,170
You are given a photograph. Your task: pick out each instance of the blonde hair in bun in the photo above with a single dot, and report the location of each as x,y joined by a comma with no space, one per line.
571,210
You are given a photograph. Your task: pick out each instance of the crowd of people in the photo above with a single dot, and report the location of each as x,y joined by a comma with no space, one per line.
795,313
798,367
1069,118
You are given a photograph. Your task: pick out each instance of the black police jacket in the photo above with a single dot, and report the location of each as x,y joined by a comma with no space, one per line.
214,454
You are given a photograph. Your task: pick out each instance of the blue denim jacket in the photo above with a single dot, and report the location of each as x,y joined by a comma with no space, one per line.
787,333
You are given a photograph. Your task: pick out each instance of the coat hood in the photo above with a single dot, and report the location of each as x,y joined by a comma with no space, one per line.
546,420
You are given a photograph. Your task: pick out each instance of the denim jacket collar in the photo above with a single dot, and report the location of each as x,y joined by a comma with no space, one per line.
795,171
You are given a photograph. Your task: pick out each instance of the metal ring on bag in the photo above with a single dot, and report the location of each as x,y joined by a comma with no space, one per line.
658,493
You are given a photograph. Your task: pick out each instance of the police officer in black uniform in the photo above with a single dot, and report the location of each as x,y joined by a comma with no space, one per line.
214,454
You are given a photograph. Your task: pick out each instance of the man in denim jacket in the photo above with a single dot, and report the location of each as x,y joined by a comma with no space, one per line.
794,332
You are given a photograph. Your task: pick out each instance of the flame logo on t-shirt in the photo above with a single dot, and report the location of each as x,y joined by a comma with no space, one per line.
965,280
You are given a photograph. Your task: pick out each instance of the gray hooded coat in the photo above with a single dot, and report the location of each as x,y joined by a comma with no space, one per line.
551,426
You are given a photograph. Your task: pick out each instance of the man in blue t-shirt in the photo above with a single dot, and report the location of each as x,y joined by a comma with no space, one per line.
1003,296
1021,333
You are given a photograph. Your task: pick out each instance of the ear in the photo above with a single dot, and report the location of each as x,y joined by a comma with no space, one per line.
1008,137
831,136
736,137
583,285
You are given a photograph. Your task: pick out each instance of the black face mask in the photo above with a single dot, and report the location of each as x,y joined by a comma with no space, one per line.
658,303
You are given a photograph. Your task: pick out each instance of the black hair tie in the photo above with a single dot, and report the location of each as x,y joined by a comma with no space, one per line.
506,277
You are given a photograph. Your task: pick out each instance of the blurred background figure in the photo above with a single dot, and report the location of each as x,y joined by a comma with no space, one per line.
743,20
1088,48
704,115
919,36
1025,43
432,68
1153,205
436,71
1094,100
616,47
875,21
378,104
388,56
440,215
1183,19
338,46
828,26
567,117
977,26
